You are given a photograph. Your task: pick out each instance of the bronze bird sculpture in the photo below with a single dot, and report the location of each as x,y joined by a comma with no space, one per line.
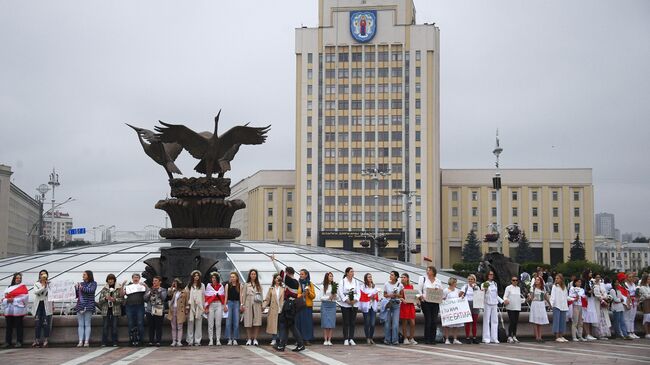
163,153
216,151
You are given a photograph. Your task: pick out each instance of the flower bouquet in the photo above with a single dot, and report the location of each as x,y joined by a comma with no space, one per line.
486,285
350,295
335,288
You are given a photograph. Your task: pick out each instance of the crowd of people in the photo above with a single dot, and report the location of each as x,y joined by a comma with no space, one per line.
585,302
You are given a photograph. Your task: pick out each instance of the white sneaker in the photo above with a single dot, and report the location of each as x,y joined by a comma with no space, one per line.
86,344
218,343
248,342
210,343
346,343
413,342
647,336
352,343
255,343
515,339
447,342
575,339
406,341
510,340
590,338
272,342
80,344
324,343
234,343
229,343
496,342
559,339
456,342
635,336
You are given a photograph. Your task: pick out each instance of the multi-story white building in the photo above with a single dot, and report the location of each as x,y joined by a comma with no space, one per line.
19,217
367,96
622,256
605,225
62,223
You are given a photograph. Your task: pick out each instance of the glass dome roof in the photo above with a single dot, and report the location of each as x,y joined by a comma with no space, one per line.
125,258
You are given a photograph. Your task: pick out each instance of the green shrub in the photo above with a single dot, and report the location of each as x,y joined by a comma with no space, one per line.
578,267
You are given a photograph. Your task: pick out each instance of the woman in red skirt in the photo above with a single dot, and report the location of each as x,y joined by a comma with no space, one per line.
407,312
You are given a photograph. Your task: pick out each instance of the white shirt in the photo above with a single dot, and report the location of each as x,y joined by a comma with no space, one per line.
559,298
344,287
424,283
392,288
492,294
576,293
618,299
469,292
513,295
278,294
450,294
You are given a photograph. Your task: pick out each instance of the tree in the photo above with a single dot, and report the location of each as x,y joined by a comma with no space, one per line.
641,240
577,250
472,248
524,252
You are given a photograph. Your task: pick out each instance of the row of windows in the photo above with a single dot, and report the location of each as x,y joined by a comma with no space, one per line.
515,195
356,184
515,212
367,136
345,89
269,212
535,227
269,196
356,168
269,227
367,104
356,73
368,120
382,56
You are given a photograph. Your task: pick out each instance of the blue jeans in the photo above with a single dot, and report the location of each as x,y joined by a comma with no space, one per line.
43,322
369,323
83,325
559,321
232,322
391,325
135,315
619,324
109,330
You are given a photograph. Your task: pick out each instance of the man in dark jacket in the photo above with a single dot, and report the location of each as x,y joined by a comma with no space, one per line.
287,317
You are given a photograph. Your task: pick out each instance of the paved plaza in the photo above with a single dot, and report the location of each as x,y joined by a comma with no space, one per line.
610,352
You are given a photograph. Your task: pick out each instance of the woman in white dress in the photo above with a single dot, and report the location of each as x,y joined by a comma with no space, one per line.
591,314
451,292
600,292
538,316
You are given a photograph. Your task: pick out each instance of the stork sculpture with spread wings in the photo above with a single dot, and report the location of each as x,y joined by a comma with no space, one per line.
216,151
198,207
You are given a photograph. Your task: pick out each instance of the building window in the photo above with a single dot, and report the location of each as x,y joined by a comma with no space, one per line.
454,226
343,57
418,104
310,57
370,56
418,168
474,226
556,212
474,212
269,212
515,212
454,196
382,57
555,195
289,227
494,195
474,195
289,212
357,57
308,121
308,217
310,74
308,199
576,212
308,152
576,196
269,227
534,196
418,55
269,196
308,184
309,105
576,228
556,227
418,233
418,72
309,89
309,168
454,211
535,227
494,211
514,195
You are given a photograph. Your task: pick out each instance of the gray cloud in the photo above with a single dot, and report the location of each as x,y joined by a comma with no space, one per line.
567,83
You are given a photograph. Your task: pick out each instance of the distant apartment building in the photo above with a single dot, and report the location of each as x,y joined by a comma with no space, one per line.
19,218
605,225
622,256
269,198
62,223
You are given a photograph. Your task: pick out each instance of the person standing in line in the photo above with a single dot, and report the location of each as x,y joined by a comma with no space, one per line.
177,314
590,314
110,305
644,302
233,290
577,297
251,307
451,292
629,314
407,312
134,306
467,291
155,298
287,317
274,301
368,299
619,300
85,306
328,308
392,291
512,301
429,309
538,316
492,300
214,296
195,309
42,310
304,318
14,304
601,294
559,303
349,293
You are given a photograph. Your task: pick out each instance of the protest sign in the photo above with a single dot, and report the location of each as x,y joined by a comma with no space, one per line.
61,291
455,311
433,295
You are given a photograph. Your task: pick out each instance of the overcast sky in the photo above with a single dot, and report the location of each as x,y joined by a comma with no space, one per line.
566,82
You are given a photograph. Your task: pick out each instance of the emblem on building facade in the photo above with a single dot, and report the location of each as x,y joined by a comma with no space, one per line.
363,25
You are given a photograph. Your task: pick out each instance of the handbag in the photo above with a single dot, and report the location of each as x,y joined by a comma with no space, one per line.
156,311
258,297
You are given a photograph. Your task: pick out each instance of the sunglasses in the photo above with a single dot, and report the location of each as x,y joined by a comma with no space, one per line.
514,281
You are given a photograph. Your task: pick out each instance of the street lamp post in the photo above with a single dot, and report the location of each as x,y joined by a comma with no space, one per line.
496,184
54,182
42,190
407,194
374,173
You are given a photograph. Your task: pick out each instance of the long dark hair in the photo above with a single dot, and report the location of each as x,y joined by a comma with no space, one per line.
327,281
366,282
347,270
191,282
255,283
13,278
90,275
